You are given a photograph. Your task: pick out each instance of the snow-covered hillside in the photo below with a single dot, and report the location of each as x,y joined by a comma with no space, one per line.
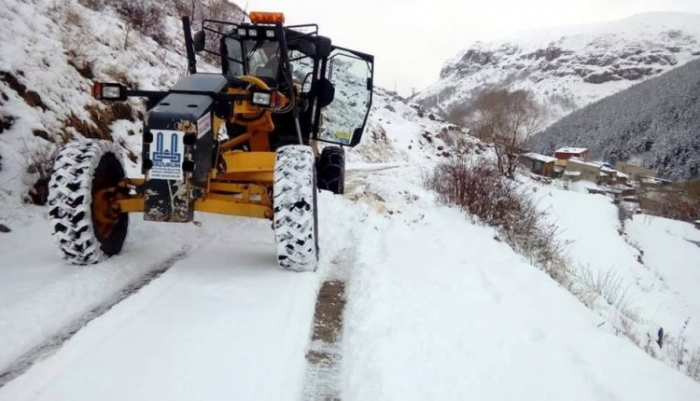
568,67
439,310
636,267
655,124
437,306
50,54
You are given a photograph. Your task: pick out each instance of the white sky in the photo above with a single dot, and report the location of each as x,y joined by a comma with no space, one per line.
411,39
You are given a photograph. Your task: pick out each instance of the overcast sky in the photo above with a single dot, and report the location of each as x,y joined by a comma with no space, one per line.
411,39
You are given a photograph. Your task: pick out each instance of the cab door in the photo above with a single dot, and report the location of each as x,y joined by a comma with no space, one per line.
351,74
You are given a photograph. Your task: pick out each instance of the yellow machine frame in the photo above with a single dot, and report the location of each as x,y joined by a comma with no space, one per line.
241,181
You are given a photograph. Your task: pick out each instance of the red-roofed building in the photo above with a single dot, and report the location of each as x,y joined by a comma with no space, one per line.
568,153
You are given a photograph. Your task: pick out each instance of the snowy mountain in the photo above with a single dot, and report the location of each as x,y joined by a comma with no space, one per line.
655,123
436,305
567,67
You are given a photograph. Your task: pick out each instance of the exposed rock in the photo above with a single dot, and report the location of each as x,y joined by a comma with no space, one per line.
41,134
6,122
602,77
635,73
39,193
32,98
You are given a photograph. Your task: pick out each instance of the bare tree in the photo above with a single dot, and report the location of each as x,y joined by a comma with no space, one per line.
184,7
219,10
507,119
144,16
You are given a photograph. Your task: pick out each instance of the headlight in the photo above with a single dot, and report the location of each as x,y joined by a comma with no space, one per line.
108,91
270,33
262,99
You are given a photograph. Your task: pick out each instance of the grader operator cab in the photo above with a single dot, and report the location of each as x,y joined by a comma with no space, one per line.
243,142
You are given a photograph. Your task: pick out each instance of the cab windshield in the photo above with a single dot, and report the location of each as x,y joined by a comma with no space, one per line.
255,57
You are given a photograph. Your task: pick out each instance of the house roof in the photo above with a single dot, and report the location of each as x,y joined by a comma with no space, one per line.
604,166
572,173
576,151
663,180
583,162
539,157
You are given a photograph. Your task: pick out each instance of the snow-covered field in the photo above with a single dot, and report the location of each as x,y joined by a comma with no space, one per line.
440,310
437,307
645,269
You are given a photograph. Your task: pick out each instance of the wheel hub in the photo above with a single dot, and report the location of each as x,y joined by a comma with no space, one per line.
105,211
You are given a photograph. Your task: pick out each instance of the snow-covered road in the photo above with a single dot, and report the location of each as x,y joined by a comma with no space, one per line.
436,309
224,322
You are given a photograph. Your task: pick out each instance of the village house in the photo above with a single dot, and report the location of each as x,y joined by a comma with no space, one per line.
634,172
564,154
572,176
622,178
653,182
586,171
608,175
538,164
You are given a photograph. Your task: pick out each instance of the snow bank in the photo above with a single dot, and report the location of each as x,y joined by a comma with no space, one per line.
672,252
645,269
439,309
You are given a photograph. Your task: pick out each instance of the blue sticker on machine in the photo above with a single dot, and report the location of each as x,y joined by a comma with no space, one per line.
167,155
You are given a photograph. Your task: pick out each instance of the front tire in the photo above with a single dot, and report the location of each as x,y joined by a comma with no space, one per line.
83,185
331,170
295,208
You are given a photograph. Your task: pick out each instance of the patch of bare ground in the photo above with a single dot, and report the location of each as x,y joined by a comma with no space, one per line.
323,355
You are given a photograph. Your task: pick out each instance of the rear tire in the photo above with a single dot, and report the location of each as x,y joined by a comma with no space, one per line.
331,170
81,173
295,208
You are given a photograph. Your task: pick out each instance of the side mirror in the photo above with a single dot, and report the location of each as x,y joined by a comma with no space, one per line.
326,92
199,41
323,46
307,48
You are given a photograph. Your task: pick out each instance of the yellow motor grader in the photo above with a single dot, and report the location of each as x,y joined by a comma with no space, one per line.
243,142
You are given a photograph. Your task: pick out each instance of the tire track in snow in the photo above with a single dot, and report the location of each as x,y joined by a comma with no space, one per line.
324,353
54,343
